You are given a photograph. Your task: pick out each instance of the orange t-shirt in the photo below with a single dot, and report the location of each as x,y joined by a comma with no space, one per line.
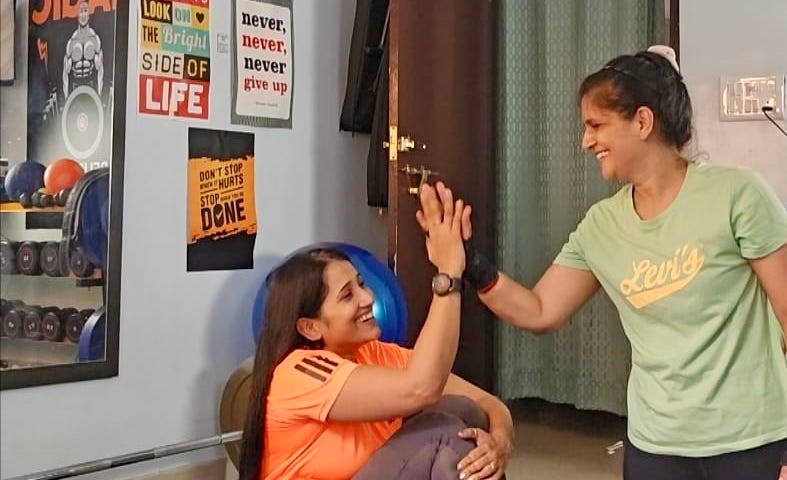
300,444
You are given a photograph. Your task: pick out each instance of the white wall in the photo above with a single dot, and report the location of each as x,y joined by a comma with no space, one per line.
731,38
181,334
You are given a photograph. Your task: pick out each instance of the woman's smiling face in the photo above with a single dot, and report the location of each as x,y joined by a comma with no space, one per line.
346,321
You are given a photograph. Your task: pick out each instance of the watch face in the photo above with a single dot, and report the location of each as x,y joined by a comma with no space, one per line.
441,283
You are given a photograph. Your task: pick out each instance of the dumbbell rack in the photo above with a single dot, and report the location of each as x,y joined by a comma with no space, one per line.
19,352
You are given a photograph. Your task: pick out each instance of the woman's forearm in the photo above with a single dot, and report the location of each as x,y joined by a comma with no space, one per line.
435,350
559,293
515,304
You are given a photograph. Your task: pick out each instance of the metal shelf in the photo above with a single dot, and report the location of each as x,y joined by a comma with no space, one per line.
26,353
48,218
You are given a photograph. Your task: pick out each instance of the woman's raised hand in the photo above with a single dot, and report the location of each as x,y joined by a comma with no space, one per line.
441,218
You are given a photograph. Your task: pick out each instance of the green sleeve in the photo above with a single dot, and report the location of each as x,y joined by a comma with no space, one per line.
573,254
758,217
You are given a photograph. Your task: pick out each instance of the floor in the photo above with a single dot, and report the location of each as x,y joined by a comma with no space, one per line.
559,442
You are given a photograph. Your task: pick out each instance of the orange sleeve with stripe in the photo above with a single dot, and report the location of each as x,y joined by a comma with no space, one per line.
383,353
305,386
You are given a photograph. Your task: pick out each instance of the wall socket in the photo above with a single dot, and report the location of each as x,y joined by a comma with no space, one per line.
742,98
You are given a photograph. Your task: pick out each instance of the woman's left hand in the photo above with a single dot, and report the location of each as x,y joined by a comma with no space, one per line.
487,460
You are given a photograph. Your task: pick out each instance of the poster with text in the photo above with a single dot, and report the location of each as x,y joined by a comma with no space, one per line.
174,58
262,81
221,213
71,48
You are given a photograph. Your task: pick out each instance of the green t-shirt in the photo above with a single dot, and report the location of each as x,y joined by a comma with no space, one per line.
708,373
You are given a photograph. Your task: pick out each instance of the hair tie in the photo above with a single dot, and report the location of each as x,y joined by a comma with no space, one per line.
666,52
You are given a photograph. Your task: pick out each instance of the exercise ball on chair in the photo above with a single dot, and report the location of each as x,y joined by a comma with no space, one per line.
389,308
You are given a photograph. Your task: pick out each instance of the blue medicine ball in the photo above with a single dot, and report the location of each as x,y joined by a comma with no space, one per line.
24,177
389,307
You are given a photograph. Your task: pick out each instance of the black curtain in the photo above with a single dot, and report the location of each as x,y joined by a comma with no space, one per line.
365,108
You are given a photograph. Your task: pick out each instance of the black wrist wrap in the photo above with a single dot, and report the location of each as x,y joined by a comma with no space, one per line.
480,273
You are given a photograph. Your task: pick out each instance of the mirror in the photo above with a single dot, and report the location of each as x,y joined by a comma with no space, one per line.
61,162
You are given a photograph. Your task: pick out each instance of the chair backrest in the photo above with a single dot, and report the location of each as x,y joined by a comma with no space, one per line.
235,403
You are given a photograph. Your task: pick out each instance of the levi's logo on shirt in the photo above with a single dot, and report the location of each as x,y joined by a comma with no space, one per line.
650,281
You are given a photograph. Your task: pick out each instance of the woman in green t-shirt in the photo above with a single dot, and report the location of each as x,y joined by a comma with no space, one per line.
694,256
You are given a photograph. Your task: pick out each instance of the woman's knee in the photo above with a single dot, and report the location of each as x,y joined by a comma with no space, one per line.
427,442
465,409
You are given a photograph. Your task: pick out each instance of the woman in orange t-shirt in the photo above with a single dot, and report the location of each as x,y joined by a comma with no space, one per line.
329,398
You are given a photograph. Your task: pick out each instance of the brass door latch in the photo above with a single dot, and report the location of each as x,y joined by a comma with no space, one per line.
422,172
404,143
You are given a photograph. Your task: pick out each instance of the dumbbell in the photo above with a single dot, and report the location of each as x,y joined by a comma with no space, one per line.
31,323
50,259
8,257
47,200
27,258
5,307
25,200
75,322
61,197
14,319
53,325
79,264
41,199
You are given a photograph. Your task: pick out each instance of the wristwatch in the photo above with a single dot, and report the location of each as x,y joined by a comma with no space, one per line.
443,284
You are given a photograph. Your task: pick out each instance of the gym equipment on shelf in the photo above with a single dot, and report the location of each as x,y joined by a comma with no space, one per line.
75,323
32,322
49,258
85,223
53,325
27,258
62,174
24,177
8,257
91,340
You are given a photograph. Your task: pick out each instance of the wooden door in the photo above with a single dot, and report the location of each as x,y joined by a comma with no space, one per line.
442,95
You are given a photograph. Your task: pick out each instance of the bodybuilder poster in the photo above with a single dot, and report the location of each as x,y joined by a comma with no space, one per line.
70,75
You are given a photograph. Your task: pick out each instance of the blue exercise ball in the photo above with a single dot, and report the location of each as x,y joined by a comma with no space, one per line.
24,177
389,307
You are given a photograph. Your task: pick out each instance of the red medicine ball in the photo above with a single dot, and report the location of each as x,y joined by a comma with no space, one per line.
62,174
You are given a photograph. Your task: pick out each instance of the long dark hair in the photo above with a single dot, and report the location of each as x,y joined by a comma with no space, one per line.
296,290
647,79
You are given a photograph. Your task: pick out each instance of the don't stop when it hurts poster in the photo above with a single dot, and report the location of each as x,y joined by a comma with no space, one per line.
221,205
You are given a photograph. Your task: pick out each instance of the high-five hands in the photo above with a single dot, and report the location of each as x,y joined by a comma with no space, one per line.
441,218
432,196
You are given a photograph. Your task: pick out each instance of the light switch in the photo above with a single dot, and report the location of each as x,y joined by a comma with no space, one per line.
742,98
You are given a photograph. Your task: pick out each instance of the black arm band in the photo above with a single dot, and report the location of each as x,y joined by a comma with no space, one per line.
480,273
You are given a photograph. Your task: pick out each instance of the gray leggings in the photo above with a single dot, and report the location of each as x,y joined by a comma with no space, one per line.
427,446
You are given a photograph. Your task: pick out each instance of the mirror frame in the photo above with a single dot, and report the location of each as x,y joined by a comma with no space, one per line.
73,372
